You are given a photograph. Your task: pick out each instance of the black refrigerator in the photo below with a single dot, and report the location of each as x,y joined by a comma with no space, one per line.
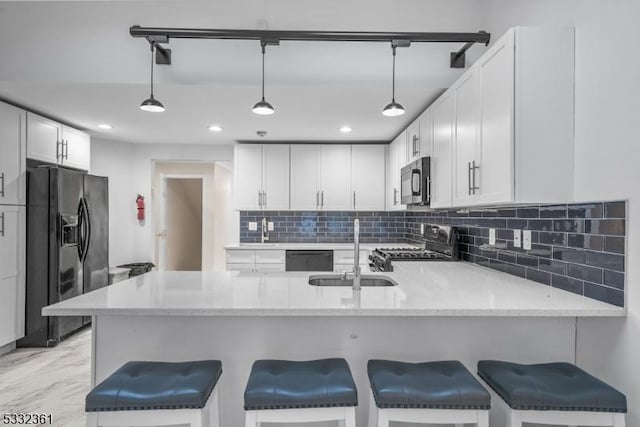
67,247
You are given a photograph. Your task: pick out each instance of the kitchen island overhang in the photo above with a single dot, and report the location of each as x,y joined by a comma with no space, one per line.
441,313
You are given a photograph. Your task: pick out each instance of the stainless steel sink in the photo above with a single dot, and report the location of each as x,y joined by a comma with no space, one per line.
338,280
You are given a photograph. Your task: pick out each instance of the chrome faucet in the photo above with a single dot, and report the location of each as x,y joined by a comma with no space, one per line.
265,231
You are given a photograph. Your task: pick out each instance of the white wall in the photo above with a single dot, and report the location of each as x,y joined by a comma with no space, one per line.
129,168
607,152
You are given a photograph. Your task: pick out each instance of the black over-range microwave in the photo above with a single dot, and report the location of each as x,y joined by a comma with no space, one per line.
415,182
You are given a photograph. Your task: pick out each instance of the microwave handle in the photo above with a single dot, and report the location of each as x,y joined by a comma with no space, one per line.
428,188
416,192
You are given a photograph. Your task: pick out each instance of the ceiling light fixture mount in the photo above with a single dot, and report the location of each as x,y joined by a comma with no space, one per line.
394,108
151,104
262,107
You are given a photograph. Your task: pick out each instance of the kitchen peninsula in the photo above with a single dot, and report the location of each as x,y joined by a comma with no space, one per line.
438,310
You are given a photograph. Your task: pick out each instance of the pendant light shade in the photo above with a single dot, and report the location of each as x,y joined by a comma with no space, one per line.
262,107
151,104
393,108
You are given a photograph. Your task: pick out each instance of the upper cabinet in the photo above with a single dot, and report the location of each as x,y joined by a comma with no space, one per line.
443,119
305,177
367,177
12,160
51,142
262,176
396,159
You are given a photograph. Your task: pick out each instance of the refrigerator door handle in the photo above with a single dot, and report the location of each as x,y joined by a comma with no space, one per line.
87,226
80,231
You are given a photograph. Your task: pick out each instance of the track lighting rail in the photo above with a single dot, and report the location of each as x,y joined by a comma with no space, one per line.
159,35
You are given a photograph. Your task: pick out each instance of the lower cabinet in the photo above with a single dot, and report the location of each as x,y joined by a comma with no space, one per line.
255,261
12,273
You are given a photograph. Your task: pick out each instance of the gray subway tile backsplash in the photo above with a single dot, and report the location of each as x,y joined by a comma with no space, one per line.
576,247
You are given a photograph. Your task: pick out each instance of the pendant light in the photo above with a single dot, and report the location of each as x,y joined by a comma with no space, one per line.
393,108
262,107
151,104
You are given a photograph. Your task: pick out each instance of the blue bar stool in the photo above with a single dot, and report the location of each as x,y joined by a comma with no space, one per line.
157,393
281,391
553,393
433,393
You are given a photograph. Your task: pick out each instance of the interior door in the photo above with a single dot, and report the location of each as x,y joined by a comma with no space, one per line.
466,162
43,139
441,158
96,262
367,177
305,194
249,176
12,160
275,176
335,177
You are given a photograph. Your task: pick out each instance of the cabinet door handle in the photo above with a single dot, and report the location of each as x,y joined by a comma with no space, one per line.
469,177
2,187
2,224
264,198
354,199
66,149
474,167
58,150
322,199
259,198
395,196
317,199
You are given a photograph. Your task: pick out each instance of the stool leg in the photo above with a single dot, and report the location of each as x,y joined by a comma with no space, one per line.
214,411
618,420
483,418
92,419
373,412
251,419
513,419
350,417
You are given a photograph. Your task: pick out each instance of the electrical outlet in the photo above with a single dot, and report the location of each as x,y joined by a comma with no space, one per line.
422,229
270,226
526,240
492,236
517,238
253,226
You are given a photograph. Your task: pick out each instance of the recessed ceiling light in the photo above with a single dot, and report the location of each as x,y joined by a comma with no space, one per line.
215,128
345,129
105,126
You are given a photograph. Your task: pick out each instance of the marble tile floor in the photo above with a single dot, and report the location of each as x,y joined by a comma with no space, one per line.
48,380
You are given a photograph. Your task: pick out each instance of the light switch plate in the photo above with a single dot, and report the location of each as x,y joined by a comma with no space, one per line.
253,226
526,240
517,238
270,226
492,236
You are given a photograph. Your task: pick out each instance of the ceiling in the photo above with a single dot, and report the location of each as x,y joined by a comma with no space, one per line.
75,61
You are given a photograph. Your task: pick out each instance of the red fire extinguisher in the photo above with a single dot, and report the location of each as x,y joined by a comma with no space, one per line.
140,206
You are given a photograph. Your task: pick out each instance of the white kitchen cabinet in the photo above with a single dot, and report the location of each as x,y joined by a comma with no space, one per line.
413,141
13,158
425,146
335,177
51,142
255,261
12,273
76,149
367,177
262,176
44,139
305,173
443,115
397,152
275,176
514,139
466,93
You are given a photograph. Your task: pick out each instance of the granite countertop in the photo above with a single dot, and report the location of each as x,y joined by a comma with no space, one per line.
424,289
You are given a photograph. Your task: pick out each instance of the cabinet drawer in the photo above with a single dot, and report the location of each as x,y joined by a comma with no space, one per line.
270,257
239,267
346,257
274,268
240,257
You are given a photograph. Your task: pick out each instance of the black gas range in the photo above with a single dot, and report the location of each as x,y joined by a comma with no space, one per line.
440,244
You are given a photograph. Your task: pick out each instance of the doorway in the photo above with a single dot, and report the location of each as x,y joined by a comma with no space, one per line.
183,226
192,215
